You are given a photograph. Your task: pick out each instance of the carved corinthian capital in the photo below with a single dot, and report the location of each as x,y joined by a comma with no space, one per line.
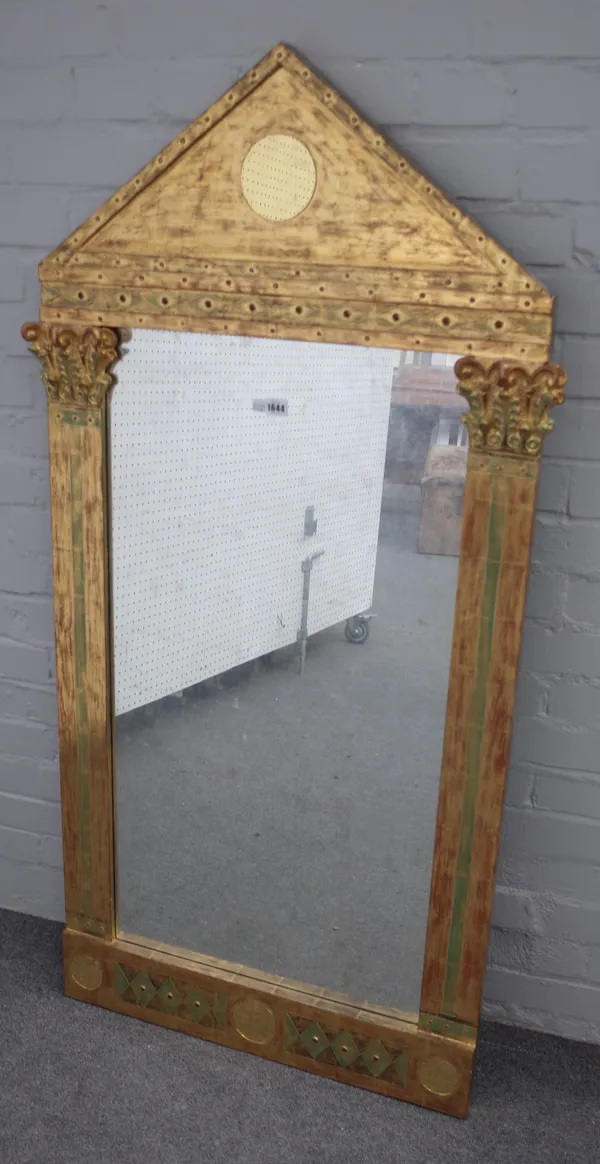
76,362
509,405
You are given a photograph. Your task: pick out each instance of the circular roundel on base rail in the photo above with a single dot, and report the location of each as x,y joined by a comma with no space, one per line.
86,972
254,1020
438,1076
278,177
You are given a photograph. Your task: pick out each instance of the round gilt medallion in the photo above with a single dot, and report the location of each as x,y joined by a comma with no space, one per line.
86,972
278,177
254,1021
438,1076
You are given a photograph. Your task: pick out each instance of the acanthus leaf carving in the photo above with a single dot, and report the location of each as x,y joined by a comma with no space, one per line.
509,405
76,363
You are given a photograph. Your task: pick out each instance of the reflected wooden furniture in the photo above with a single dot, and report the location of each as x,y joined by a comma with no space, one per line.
353,246
442,490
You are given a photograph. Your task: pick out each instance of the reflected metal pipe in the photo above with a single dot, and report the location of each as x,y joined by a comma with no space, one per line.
307,566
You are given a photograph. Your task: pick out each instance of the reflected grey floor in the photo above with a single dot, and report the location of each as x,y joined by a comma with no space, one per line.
83,1086
287,822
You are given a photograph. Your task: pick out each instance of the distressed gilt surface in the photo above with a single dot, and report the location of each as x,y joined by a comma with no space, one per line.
507,422
379,256
75,368
269,1016
509,406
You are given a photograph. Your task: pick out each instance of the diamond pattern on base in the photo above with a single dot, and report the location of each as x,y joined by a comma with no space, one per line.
219,1010
401,1069
348,1051
376,1058
197,1004
121,980
290,1033
374,1055
315,1040
344,1049
143,988
170,996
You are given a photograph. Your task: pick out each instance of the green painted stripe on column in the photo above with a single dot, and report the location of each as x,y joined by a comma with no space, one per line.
78,419
446,1026
84,839
474,746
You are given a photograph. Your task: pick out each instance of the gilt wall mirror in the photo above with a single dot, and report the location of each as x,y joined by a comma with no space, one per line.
297,402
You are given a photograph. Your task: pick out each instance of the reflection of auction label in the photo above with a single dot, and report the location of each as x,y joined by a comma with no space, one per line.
254,1020
277,406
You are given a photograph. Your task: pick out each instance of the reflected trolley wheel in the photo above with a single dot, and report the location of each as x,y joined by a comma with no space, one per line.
356,629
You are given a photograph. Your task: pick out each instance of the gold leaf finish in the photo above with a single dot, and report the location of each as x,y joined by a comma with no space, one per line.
509,405
75,362
254,1021
276,200
86,972
438,1076
269,1016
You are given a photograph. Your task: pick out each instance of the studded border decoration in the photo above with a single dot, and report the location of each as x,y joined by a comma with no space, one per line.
481,297
373,321
283,57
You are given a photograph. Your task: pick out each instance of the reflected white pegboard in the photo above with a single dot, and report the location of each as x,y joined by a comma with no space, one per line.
209,494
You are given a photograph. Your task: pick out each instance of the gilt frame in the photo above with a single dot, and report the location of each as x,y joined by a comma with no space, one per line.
146,259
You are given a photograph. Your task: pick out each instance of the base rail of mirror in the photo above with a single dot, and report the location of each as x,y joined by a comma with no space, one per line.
274,1017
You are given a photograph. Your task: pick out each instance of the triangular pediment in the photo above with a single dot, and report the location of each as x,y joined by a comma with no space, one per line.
362,211
356,211
370,206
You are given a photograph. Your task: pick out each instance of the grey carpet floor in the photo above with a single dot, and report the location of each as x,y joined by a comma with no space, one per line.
79,1085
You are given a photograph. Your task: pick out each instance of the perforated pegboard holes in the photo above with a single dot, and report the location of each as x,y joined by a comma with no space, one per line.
209,497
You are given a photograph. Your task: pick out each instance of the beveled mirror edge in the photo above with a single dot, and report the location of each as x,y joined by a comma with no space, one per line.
430,1062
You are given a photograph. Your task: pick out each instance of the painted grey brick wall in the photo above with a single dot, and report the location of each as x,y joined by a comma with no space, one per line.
501,104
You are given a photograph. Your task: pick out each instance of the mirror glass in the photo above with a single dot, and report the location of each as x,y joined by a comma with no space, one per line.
284,550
